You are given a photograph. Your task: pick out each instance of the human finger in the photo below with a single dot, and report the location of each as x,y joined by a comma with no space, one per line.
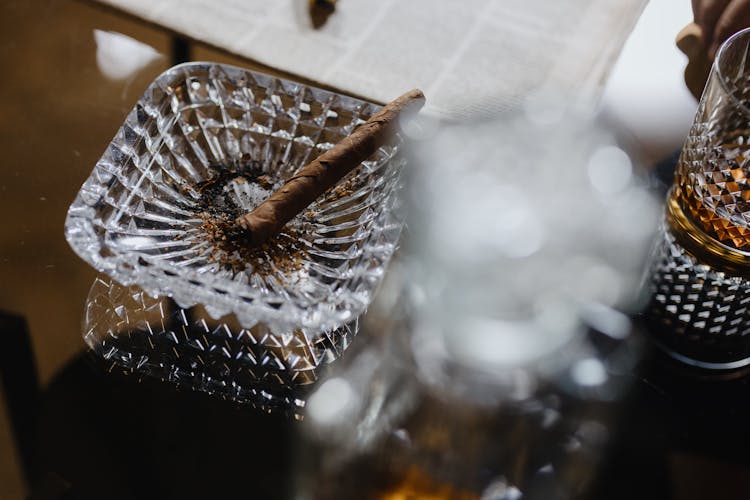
735,17
705,14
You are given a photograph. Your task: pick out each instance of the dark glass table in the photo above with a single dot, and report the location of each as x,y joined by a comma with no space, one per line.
72,430
680,434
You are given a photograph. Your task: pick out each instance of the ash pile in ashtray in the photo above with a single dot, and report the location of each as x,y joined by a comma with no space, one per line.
231,193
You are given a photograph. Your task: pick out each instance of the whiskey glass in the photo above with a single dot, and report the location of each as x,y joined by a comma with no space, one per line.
699,277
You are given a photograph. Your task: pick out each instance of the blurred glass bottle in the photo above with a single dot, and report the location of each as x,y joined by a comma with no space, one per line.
526,242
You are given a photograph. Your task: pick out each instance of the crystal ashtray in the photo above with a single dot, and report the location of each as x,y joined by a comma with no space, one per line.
141,216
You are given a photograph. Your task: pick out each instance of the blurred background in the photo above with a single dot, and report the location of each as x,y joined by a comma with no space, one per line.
69,77
646,97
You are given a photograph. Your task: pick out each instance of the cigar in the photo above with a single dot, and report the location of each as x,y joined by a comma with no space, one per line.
326,170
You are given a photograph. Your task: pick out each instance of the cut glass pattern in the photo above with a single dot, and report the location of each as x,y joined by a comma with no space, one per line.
711,178
138,216
699,312
152,336
696,312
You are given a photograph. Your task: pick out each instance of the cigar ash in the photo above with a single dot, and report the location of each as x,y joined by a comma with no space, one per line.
227,195
235,190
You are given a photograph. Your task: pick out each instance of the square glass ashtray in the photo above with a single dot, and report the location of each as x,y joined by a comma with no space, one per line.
207,142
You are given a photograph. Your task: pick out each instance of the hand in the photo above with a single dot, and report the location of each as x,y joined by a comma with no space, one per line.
720,19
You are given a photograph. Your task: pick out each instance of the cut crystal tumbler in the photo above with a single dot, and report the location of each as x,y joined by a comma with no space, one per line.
699,307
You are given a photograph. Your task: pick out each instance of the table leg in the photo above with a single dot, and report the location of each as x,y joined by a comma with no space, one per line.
21,387
180,50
